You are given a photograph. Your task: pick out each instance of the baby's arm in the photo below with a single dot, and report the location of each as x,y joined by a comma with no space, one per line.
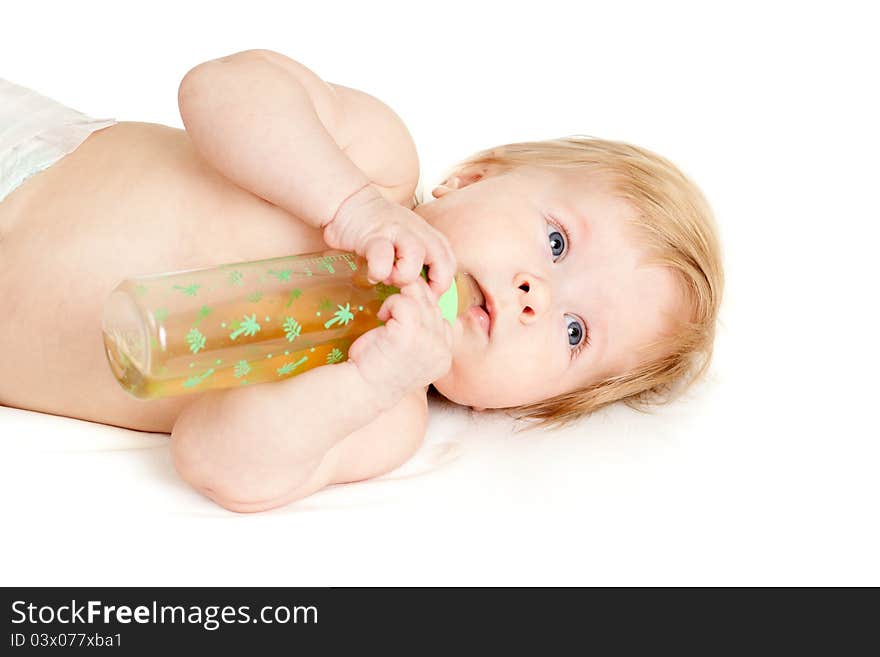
255,448
273,127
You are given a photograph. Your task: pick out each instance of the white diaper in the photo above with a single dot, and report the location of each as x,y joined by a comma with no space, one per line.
36,132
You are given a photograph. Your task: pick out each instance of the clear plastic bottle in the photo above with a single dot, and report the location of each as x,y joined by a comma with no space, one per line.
245,323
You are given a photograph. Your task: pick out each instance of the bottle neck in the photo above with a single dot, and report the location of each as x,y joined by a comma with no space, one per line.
449,300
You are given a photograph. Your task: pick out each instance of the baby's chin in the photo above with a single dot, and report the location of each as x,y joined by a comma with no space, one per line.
448,387
466,381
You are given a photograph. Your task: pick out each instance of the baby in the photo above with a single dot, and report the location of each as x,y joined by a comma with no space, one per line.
598,260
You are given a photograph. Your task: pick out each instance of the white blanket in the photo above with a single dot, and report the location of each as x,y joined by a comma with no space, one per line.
729,486
102,505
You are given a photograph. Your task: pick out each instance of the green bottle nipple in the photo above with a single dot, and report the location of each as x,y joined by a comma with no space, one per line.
448,301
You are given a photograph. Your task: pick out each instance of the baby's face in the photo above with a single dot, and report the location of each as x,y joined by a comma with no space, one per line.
570,306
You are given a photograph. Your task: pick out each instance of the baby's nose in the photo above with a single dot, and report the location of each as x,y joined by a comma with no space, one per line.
533,295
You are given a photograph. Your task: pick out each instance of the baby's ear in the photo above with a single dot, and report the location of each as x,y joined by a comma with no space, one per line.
470,175
461,179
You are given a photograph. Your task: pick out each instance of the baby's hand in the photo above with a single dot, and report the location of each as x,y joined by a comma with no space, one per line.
396,242
413,347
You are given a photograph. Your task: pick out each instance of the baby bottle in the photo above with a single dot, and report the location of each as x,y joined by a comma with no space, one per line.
245,323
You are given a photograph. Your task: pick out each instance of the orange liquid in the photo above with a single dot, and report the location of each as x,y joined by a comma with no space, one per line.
262,338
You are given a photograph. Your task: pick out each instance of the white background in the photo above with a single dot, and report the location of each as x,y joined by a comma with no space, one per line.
765,475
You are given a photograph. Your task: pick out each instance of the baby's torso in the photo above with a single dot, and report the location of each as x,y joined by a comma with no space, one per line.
133,199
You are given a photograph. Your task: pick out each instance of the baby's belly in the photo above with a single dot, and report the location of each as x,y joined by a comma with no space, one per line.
133,199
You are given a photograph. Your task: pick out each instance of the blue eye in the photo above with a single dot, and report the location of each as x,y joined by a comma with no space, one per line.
558,240
578,336
576,332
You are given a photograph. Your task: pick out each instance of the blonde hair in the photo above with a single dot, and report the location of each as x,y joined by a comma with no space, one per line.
678,228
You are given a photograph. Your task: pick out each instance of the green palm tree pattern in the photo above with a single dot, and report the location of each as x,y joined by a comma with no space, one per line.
327,264
292,328
293,295
195,340
249,326
342,316
287,368
349,262
204,311
255,302
189,290
198,378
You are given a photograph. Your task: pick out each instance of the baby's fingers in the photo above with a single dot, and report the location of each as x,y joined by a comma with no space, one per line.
410,259
379,253
441,265
398,312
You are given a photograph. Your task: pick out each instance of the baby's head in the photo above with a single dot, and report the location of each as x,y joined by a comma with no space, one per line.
601,266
